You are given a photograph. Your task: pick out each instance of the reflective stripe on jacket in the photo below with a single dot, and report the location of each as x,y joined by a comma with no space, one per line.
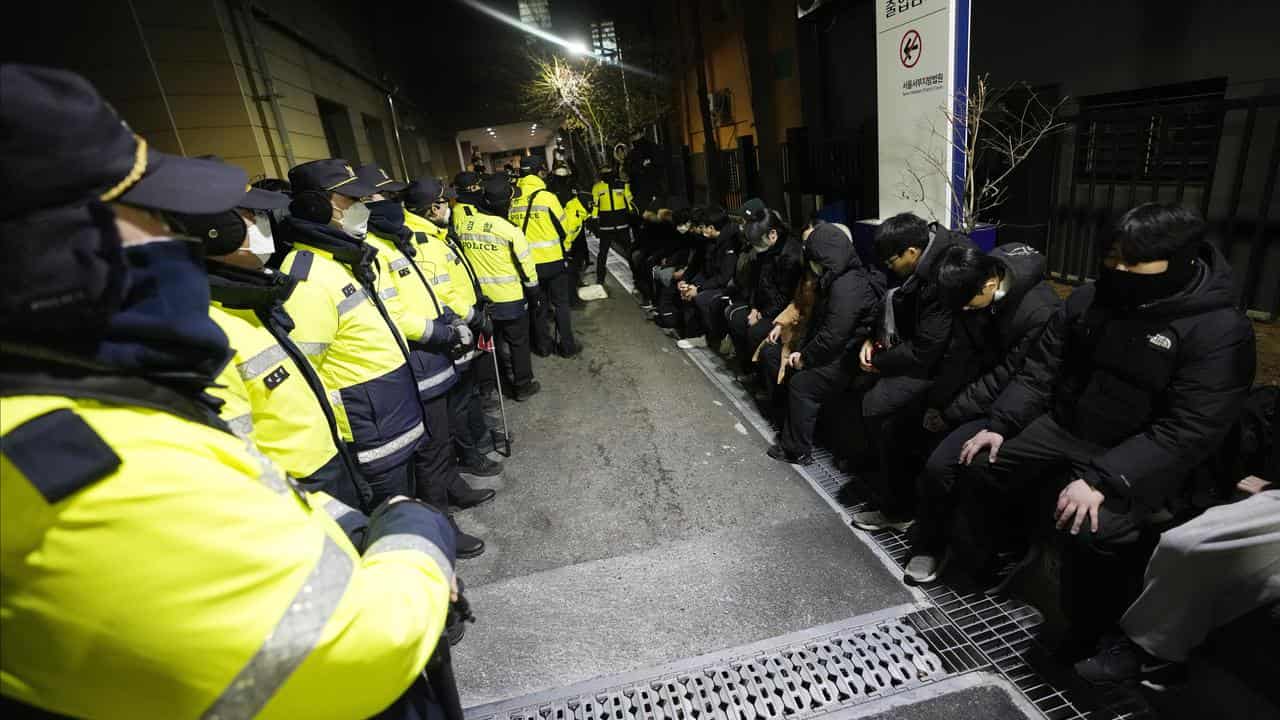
537,212
267,399
501,257
441,265
358,358
413,308
611,204
158,567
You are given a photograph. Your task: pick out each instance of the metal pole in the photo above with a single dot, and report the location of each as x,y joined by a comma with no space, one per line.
164,97
395,129
268,84
626,96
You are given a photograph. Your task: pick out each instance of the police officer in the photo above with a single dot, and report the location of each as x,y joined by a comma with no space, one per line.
442,262
350,338
162,557
435,335
504,266
270,392
577,204
539,215
612,207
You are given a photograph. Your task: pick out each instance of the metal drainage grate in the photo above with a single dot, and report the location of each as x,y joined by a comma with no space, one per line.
798,681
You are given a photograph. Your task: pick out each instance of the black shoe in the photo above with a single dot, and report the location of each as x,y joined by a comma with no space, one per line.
778,453
1123,661
541,352
570,352
481,467
468,546
527,391
469,497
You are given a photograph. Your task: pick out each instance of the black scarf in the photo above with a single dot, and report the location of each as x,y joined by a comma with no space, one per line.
262,292
386,217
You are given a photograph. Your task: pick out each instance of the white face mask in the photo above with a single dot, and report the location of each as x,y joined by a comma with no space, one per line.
445,214
260,241
355,220
816,268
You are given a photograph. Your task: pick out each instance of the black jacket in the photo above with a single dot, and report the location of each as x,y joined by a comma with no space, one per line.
923,322
719,260
776,273
1157,386
845,299
990,345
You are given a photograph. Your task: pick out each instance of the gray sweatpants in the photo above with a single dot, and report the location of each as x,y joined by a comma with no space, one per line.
1206,573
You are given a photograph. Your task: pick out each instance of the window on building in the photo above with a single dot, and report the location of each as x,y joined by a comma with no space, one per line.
373,130
338,132
536,13
604,40
1159,134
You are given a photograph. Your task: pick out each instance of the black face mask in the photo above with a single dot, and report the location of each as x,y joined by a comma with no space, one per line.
1120,289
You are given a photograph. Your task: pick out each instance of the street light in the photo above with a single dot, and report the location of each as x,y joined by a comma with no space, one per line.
577,48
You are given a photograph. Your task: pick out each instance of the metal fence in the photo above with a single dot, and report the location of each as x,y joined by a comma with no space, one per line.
1215,154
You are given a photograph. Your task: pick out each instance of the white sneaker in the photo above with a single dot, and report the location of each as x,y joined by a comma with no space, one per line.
872,520
693,342
924,569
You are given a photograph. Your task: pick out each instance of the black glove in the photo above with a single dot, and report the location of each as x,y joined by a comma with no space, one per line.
482,324
534,294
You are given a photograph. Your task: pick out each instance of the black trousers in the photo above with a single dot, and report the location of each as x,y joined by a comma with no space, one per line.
746,337
805,392
435,467
579,256
515,334
608,238
893,414
466,414
1102,571
396,481
555,281
641,262
937,488
710,306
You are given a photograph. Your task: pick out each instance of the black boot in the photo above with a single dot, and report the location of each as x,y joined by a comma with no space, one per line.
468,497
480,466
468,546
525,392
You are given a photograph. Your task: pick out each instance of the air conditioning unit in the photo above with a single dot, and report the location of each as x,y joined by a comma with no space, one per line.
808,7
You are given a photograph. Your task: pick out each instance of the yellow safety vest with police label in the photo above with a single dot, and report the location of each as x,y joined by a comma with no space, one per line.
499,253
538,214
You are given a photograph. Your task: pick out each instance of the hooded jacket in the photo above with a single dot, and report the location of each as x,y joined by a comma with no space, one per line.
988,346
923,323
845,298
1157,386
775,274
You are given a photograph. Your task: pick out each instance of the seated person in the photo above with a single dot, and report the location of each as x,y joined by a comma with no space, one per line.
913,332
704,292
767,287
1005,303
686,261
845,296
1203,574
1133,384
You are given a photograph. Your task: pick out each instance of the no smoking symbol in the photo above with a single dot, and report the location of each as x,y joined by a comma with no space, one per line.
909,49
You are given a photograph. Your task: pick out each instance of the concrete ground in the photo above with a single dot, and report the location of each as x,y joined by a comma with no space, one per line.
639,522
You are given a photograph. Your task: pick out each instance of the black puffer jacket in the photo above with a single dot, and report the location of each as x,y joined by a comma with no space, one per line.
720,260
923,322
846,297
990,345
1158,386
776,274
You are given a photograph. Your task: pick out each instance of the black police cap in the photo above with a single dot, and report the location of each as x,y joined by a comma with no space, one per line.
373,174
466,179
532,163
330,175
426,191
62,143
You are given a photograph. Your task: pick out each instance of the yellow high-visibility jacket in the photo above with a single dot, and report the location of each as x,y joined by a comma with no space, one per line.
538,214
442,266
156,566
267,399
500,256
575,214
358,357
612,204
422,320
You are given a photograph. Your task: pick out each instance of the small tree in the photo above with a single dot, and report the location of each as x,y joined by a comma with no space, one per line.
1000,129
593,99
